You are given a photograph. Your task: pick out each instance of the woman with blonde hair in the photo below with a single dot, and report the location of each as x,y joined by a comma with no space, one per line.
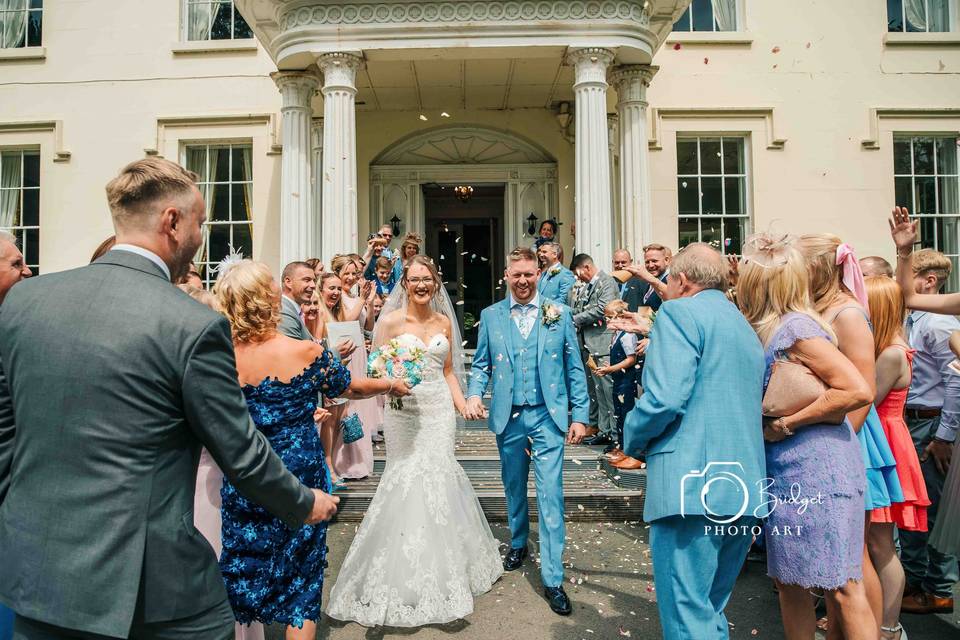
272,573
894,372
839,295
355,307
808,452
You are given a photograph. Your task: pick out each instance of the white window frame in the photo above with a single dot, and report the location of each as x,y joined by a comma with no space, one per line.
951,18
31,261
737,28
185,22
747,215
953,283
26,27
208,277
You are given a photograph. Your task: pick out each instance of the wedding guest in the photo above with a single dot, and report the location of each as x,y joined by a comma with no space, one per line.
621,259
556,281
875,266
385,282
653,272
894,371
623,357
298,282
316,265
355,307
192,277
695,412
102,248
814,448
274,574
595,341
119,558
312,317
13,269
547,233
839,295
409,247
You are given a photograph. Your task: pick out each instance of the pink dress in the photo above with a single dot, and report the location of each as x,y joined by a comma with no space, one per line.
206,518
355,460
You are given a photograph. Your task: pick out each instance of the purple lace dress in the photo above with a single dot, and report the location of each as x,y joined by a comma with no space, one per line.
814,534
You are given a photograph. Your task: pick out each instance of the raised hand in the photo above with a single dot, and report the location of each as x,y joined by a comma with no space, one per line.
733,271
640,271
324,507
631,323
903,229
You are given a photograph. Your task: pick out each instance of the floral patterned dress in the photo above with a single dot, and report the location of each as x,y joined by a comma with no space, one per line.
274,574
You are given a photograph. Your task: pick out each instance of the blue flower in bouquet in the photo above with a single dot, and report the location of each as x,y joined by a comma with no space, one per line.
402,359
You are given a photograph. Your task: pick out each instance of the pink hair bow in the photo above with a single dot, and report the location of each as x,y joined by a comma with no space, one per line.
852,274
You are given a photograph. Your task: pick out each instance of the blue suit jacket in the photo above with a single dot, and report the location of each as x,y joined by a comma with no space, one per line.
559,366
699,417
557,287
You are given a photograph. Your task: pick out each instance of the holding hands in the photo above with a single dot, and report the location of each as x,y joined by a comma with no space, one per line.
474,409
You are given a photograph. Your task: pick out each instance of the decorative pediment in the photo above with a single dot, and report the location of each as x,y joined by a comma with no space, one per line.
463,145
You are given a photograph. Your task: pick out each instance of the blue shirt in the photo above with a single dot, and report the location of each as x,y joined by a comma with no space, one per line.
934,385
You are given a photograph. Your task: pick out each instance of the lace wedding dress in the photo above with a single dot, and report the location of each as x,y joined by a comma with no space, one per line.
424,549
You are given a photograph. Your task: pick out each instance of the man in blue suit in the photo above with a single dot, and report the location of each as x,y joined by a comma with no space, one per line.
556,281
699,424
528,348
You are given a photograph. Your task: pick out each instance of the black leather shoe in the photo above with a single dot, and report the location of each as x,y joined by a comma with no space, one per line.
514,559
559,602
596,440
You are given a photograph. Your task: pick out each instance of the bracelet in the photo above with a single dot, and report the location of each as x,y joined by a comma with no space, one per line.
392,382
781,427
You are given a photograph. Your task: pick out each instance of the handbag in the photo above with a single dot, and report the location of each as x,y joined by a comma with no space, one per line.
352,428
792,387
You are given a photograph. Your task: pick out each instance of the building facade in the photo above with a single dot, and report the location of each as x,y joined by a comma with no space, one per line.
313,122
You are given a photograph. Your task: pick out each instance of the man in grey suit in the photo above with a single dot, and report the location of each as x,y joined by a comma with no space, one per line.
297,285
595,337
102,418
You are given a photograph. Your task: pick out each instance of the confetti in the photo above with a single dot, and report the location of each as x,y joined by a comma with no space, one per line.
706,61
444,114
624,632
423,117
677,46
775,50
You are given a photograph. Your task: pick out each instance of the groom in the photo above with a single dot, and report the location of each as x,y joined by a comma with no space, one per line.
528,345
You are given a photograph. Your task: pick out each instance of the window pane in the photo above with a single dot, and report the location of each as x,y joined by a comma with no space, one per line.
946,156
733,235
903,193
688,231
712,195
916,12
923,156
734,196
947,192
710,156
10,207
221,29
732,158
197,162
927,233
926,200
702,15
686,157
240,27
31,208
710,232
35,29
683,24
219,246
221,168
31,169
243,238
947,236
220,207
36,4
901,156
239,206
238,171
688,196
939,18
894,15
31,246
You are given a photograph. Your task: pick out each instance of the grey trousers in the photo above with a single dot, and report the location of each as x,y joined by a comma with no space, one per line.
600,390
927,568
213,624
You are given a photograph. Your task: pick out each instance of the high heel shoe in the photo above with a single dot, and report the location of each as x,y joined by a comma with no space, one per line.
889,632
339,485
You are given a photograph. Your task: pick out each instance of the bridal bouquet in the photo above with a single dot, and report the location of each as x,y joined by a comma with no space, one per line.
401,358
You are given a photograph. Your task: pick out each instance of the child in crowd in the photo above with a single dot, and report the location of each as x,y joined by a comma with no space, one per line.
385,281
622,360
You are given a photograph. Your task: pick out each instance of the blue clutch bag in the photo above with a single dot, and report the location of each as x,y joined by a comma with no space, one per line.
352,428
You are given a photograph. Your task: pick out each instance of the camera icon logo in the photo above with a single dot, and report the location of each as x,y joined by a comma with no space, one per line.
725,477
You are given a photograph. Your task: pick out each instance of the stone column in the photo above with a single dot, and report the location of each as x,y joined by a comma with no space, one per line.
631,83
339,173
593,211
316,184
613,138
296,216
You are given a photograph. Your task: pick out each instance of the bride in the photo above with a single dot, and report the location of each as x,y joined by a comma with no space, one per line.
424,549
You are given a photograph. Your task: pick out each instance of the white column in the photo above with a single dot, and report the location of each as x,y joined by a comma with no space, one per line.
631,83
613,138
316,183
339,173
593,212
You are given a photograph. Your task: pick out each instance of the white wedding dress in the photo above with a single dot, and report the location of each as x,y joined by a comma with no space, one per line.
424,549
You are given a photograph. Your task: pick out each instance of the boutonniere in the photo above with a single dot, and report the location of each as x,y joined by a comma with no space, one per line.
551,313
555,270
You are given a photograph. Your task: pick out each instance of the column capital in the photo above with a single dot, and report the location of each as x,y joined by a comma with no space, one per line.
339,69
631,82
590,65
296,87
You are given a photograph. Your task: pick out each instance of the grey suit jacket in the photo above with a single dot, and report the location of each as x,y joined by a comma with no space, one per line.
290,323
588,314
114,380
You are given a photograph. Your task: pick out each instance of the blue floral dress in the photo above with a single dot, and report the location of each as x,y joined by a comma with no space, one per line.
274,574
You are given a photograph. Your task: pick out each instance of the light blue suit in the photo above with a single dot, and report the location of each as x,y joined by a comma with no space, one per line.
560,384
699,418
556,287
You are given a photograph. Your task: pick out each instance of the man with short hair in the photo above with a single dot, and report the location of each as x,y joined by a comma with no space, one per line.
875,266
13,269
933,416
297,285
652,276
698,421
621,259
193,277
102,420
595,339
556,281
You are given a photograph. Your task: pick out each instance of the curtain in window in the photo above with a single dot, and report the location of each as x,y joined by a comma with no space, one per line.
916,11
247,153
198,20
10,191
197,159
725,13
938,17
13,21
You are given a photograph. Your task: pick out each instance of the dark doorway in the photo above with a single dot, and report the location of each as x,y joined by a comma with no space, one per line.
465,237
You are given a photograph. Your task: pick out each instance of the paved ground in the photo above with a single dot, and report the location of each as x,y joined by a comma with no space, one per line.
613,597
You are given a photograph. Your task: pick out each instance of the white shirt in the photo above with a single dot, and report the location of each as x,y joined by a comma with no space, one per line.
145,253
522,317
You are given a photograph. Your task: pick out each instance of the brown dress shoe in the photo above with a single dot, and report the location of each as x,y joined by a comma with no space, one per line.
924,602
615,455
628,463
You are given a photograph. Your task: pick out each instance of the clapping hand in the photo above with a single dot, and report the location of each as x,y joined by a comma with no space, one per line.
324,507
733,271
346,348
640,271
903,230
631,323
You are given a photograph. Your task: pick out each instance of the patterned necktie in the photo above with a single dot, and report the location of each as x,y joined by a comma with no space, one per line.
523,316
